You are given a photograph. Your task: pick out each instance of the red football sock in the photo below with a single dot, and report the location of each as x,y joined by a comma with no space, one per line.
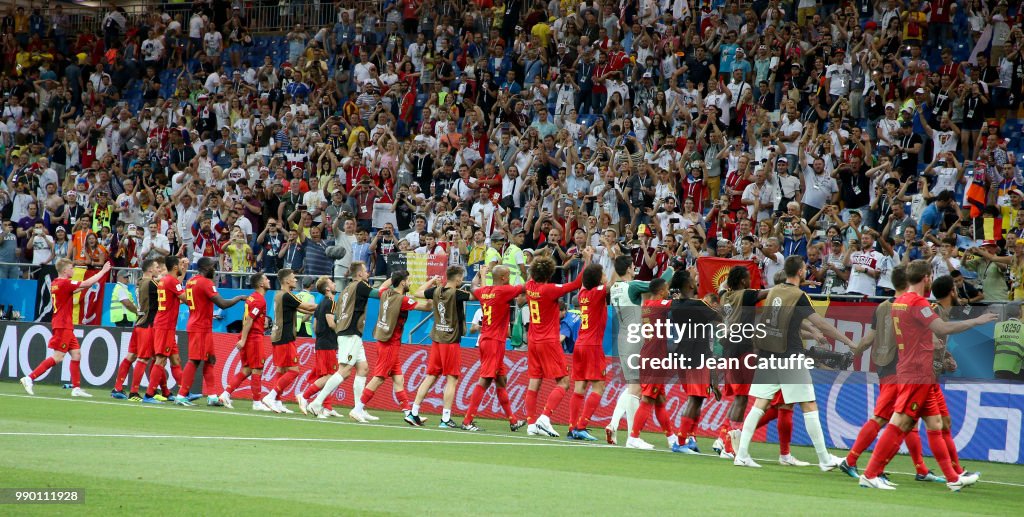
531,407
256,385
887,445
163,384
474,403
941,454
640,418
327,405
589,407
403,400
554,399
210,380
865,438
156,372
575,406
954,455
286,379
504,402
686,426
662,416
236,381
187,379
176,374
137,373
42,368
366,396
310,391
122,374
76,373
769,414
913,441
785,430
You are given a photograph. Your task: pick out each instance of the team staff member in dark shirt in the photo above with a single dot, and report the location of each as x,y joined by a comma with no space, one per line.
282,338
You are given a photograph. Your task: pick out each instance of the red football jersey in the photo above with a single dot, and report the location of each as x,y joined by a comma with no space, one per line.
167,303
256,310
911,316
495,305
594,316
62,294
199,293
408,304
543,302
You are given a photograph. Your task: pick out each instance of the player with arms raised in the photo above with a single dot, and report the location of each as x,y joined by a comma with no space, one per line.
140,347
915,325
250,344
449,301
495,307
544,356
881,338
654,309
201,295
169,294
786,308
588,360
394,308
282,338
63,341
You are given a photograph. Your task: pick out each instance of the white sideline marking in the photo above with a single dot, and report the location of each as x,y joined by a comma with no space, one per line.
531,441
298,417
282,439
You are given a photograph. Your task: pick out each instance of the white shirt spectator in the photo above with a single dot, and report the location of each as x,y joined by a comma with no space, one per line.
771,266
151,243
861,264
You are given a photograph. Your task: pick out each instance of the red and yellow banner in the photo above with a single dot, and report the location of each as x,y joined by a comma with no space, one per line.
88,306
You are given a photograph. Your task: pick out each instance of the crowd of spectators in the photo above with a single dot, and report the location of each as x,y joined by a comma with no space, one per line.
853,133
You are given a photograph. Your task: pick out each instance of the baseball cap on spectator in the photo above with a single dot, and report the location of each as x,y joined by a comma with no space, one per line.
919,90
498,235
890,105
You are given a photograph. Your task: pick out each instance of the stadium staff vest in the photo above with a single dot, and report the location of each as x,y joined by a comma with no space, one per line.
779,307
1009,346
117,311
735,313
515,276
305,297
883,352
492,255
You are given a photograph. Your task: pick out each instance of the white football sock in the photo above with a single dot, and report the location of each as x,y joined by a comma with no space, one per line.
358,385
332,384
446,414
632,405
749,426
813,426
620,409
416,409
358,406
272,395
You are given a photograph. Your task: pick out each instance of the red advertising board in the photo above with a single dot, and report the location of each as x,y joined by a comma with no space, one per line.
414,364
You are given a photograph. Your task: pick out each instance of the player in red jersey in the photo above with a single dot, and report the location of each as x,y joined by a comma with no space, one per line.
282,339
63,341
495,307
588,360
394,307
544,356
169,294
250,343
201,295
915,325
652,393
882,340
145,341
141,338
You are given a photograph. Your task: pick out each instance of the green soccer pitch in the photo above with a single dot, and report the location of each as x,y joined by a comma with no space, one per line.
135,459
